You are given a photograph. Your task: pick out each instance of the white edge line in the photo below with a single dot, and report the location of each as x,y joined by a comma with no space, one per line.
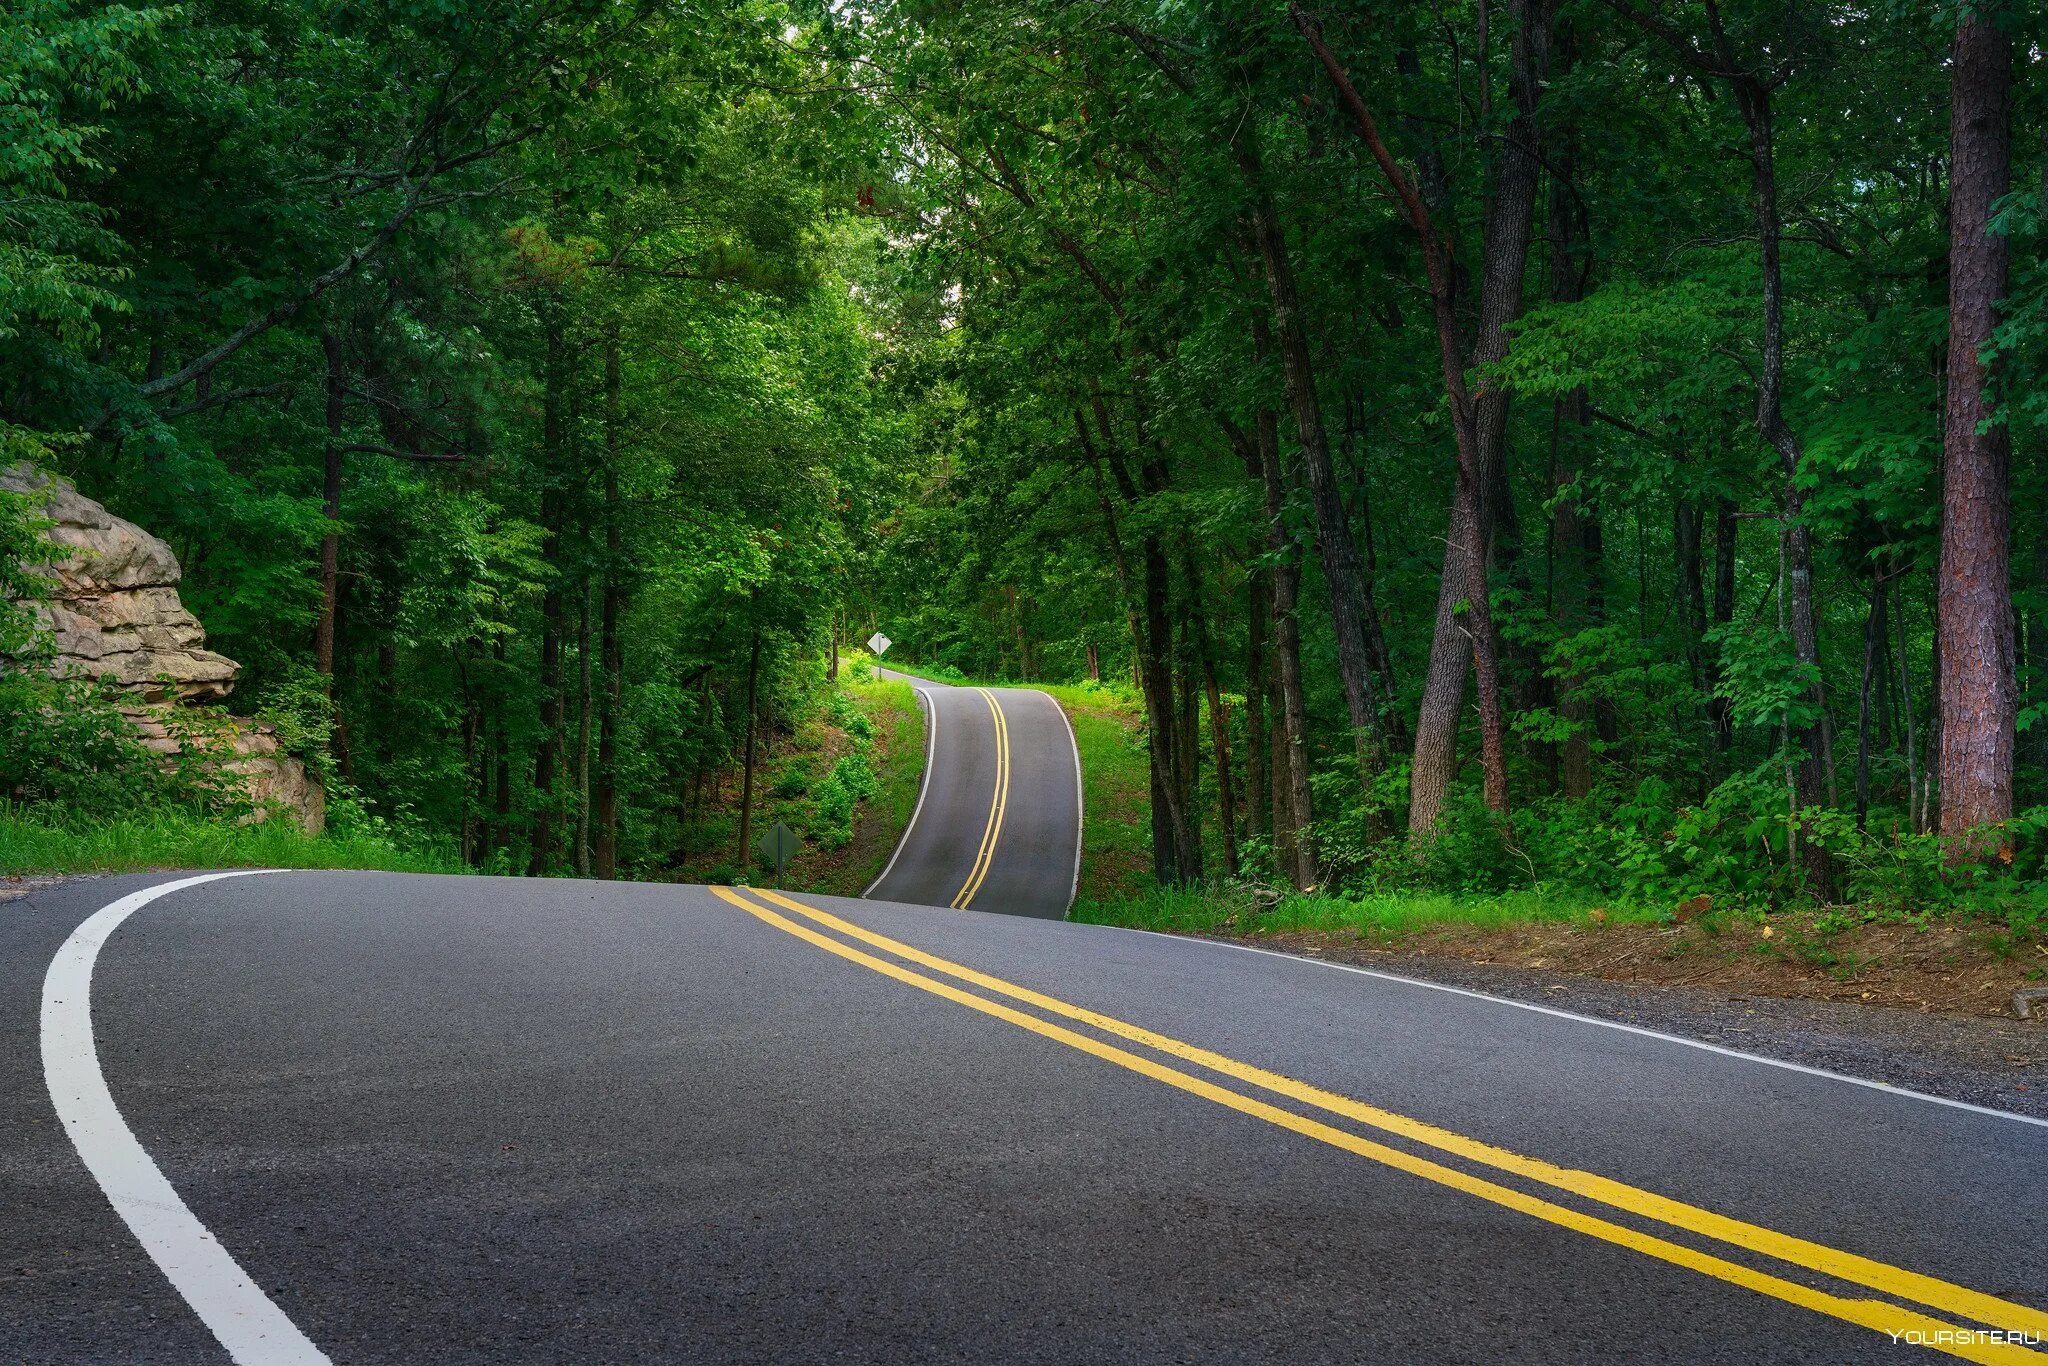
924,782
254,1330
1881,1086
1080,801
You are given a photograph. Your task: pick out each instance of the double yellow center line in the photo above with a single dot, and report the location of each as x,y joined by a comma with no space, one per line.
998,805
2008,1324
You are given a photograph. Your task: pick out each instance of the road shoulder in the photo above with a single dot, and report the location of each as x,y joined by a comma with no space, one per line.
1998,1063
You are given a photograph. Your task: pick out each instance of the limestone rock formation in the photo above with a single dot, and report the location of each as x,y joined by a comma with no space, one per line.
113,610
113,606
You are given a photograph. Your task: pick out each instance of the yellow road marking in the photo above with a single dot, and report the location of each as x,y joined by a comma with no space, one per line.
998,806
1927,1290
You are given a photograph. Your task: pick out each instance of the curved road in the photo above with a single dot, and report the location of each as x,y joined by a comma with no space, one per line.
998,820
370,1117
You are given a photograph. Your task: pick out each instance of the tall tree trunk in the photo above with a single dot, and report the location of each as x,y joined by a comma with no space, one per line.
1873,654
1914,820
584,695
742,854
1979,693
1689,527
1350,594
1258,794
1219,719
1726,527
555,382
1479,422
1293,811
1753,97
611,646
330,548
501,754
1176,847
330,506
1574,525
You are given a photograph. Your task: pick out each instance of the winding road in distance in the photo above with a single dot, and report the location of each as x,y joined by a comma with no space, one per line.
297,1117
998,819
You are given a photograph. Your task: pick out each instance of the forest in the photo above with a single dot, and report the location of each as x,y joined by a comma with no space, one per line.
1582,444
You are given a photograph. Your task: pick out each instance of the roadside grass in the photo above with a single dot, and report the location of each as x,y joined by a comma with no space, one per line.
1231,908
898,756
176,839
844,780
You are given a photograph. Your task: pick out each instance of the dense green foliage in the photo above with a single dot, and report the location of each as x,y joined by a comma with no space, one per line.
652,346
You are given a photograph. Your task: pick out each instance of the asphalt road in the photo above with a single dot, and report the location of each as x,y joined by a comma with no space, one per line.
998,821
394,1118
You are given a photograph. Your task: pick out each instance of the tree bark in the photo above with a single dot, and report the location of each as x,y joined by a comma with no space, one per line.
555,382
1258,793
1479,422
1726,527
1293,811
1176,846
1979,693
1753,98
584,696
741,854
611,647
1350,595
1873,654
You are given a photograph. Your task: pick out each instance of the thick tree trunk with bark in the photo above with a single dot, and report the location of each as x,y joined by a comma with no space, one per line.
1479,422
1293,810
1350,594
1979,694
1176,842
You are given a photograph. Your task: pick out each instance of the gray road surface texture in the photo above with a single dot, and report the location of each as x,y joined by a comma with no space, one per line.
375,1117
998,822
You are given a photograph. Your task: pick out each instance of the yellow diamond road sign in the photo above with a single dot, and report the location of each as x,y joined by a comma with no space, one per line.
878,644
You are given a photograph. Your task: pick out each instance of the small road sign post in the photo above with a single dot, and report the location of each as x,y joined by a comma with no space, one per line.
779,846
878,644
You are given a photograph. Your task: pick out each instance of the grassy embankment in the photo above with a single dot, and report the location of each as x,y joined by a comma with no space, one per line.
844,779
176,839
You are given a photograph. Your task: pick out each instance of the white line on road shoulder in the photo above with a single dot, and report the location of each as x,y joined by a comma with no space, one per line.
254,1330
1080,801
924,785
1881,1086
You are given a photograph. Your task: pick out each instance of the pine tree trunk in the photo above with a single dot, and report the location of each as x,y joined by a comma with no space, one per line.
1978,691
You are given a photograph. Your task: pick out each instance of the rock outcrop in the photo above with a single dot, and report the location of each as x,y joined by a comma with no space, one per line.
113,610
113,606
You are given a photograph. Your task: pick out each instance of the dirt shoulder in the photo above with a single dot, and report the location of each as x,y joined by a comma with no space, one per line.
1926,1008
